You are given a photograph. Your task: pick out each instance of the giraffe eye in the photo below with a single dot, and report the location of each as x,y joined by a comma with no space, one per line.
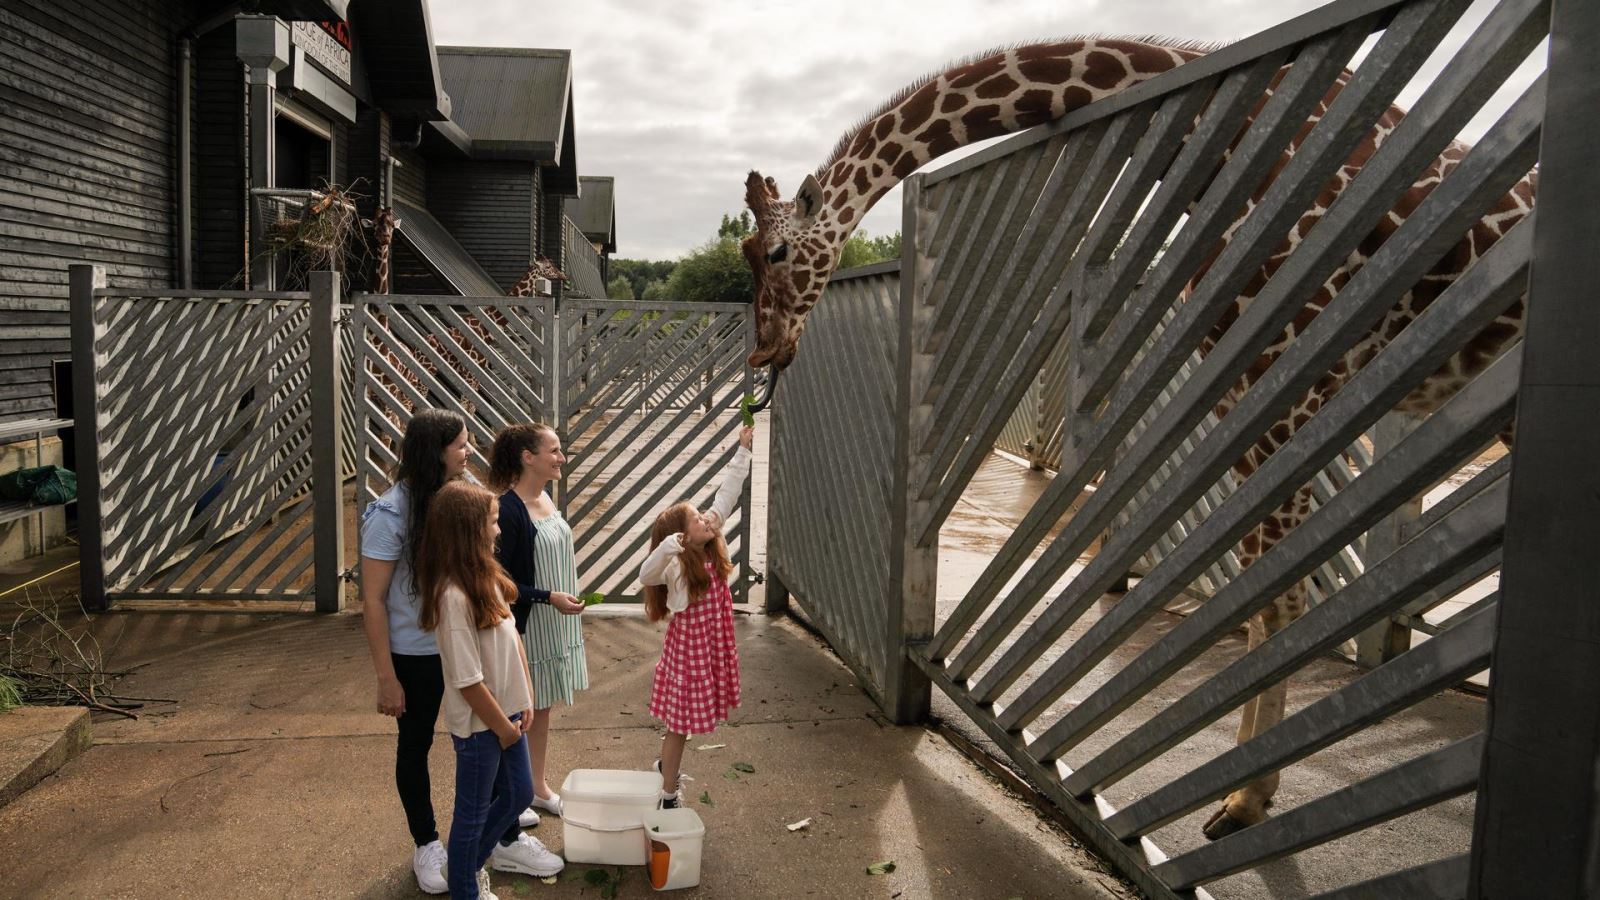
779,254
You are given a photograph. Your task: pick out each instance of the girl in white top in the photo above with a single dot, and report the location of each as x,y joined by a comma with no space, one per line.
488,698
696,683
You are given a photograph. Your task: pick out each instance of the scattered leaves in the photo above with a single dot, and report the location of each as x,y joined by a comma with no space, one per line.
705,797
731,775
796,826
596,877
881,868
745,768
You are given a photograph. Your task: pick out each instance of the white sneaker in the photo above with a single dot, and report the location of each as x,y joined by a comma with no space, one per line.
527,857
484,893
552,805
428,862
528,818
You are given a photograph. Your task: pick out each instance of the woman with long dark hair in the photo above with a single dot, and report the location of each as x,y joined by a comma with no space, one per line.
406,657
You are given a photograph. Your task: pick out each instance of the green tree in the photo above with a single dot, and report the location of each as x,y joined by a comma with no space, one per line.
863,250
640,272
716,271
619,288
736,228
655,292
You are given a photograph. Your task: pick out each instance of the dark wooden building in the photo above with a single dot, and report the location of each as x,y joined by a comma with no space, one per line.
154,137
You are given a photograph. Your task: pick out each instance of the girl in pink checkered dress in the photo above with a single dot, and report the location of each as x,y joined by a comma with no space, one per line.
685,576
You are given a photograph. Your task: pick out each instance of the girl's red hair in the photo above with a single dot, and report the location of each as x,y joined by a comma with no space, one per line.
675,520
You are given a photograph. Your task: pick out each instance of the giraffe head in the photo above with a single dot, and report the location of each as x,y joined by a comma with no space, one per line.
791,255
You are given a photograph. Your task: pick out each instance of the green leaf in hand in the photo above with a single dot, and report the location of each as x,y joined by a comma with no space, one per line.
592,599
744,410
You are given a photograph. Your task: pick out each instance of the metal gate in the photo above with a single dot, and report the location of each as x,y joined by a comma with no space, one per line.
208,446
649,394
1084,233
644,397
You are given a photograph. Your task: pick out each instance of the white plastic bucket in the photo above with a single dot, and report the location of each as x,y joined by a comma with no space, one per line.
674,839
601,814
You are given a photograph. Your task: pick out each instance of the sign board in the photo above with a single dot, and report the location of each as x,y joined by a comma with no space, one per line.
324,45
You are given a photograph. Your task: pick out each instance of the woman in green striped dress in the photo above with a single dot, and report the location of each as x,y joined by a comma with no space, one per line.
536,550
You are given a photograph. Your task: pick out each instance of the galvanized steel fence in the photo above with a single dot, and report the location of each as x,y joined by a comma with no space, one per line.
647,412
1040,254
207,444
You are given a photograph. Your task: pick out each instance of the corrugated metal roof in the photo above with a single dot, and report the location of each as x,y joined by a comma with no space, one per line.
595,212
443,253
510,99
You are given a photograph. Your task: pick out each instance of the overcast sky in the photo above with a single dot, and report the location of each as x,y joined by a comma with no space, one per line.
679,100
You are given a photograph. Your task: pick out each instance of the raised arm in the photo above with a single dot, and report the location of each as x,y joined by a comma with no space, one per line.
733,478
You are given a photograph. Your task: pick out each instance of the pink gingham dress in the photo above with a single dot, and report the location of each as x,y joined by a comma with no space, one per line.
696,682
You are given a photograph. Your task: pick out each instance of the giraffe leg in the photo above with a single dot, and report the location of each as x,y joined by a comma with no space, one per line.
1248,805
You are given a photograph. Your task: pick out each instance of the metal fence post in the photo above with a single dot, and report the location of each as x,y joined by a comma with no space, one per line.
84,281
1537,830
327,422
913,567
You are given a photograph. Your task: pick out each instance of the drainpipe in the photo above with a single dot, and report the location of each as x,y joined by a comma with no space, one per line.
263,45
185,176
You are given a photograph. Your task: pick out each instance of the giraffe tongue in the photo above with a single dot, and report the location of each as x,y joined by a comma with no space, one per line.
766,395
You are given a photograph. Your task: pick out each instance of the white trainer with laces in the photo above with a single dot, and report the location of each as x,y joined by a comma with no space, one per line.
528,856
428,863
528,818
551,804
484,893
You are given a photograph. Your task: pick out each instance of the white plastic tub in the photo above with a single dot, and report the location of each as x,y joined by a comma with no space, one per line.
601,815
675,838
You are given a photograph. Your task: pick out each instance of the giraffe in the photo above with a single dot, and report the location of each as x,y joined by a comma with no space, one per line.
797,242
542,267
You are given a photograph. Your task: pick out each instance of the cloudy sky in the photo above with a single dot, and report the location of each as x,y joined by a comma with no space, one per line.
679,100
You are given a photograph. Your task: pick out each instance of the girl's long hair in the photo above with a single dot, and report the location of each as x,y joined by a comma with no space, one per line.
459,551
505,459
675,520
421,470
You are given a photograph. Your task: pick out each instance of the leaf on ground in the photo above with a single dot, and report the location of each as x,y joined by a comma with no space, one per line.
711,746
881,868
522,887
745,768
731,775
597,877
705,797
551,880
796,826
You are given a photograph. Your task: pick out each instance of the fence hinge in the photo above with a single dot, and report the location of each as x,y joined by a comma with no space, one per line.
348,574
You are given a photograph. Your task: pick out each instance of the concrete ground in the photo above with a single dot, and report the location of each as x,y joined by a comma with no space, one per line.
258,769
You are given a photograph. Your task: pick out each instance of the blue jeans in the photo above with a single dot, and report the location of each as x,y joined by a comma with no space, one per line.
492,787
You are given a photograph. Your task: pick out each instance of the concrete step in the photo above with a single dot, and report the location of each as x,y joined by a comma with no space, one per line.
37,740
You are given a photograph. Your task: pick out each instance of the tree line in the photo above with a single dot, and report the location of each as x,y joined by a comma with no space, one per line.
716,270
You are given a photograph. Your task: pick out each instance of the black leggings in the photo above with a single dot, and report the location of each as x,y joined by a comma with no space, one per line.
422,679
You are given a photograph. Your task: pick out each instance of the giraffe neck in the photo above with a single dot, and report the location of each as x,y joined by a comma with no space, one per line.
384,238
1003,92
